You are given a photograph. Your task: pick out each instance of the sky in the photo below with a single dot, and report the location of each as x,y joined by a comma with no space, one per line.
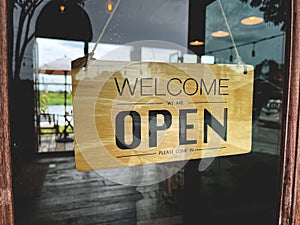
49,50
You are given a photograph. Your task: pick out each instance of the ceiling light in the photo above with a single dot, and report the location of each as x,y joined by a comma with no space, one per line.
109,6
252,20
62,8
196,43
220,33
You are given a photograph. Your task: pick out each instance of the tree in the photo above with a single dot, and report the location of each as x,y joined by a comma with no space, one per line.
24,32
21,91
275,11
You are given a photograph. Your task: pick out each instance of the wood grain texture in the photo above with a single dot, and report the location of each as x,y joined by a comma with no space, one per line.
290,192
101,93
6,205
70,197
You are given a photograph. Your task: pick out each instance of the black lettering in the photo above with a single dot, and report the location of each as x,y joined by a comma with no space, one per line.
144,86
185,83
213,85
183,126
222,86
126,81
210,120
168,88
153,127
120,129
155,85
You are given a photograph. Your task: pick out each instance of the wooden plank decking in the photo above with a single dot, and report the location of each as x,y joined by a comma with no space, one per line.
49,144
71,197
52,192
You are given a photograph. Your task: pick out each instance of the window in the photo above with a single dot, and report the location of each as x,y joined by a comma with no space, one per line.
242,189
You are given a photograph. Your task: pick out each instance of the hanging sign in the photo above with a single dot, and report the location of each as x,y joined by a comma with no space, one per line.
137,113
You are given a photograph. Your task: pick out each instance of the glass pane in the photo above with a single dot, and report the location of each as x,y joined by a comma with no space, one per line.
240,189
53,119
244,189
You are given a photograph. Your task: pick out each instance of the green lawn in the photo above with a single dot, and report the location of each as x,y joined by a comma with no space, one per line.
54,98
47,132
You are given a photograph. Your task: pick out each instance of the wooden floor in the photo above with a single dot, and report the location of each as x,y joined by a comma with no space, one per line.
232,191
240,190
48,143
71,197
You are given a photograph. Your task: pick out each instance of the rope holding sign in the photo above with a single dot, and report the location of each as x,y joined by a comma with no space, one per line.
81,63
239,60
238,57
104,29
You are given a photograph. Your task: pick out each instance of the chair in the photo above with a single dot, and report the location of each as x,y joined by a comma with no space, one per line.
48,124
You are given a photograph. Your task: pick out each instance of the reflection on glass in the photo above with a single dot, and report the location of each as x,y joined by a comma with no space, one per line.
234,190
244,189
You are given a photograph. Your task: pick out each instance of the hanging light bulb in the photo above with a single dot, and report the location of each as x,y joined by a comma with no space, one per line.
231,56
109,6
253,50
196,43
252,20
62,8
220,34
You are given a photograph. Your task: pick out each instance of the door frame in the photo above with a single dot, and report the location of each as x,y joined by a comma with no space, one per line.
6,196
290,170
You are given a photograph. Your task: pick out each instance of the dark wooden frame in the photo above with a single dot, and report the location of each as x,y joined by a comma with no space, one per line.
6,196
290,189
290,186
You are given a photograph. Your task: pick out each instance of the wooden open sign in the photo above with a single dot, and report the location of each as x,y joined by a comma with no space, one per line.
137,113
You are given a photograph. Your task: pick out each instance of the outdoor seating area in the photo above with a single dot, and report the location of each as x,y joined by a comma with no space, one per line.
49,144
52,136
48,124
54,117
